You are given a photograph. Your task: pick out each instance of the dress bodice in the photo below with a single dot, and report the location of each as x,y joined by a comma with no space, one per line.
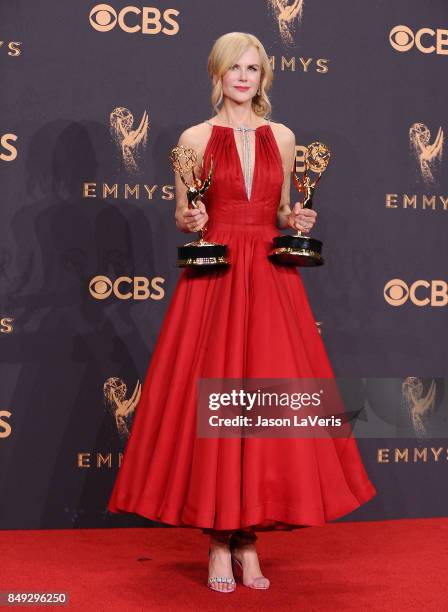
226,199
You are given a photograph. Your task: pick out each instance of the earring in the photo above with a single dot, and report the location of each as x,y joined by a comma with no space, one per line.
259,92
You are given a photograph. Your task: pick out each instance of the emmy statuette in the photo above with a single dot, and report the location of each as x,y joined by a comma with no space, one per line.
300,249
199,253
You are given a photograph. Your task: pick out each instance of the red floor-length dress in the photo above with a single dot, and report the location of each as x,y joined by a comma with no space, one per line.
251,319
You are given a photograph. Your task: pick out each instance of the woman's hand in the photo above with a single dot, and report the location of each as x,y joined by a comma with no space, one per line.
302,219
194,219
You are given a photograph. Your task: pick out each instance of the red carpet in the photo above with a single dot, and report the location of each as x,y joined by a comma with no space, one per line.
394,565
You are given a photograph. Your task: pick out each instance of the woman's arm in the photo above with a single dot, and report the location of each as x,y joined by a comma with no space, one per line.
287,146
299,218
190,219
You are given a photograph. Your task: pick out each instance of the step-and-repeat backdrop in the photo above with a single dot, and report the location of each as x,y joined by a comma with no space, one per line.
93,97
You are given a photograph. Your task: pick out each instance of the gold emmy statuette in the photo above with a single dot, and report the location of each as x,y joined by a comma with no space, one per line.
200,252
300,249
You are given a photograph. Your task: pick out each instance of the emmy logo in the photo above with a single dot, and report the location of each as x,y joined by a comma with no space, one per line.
419,407
130,142
287,15
428,155
120,408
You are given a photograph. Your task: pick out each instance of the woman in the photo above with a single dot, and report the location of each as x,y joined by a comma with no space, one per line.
250,319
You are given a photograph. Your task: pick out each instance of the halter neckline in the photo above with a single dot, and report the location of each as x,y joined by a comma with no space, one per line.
240,128
246,170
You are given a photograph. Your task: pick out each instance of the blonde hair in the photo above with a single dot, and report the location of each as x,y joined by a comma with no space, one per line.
226,50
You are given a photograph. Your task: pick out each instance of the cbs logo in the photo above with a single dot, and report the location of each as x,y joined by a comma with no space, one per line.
6,326
5,143
426,40
420,293
126,288
104,18
13,47
5,428
301,153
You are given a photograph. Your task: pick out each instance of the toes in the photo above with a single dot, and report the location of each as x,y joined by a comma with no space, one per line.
261,583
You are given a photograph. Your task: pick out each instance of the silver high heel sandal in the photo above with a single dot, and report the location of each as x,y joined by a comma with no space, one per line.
214,580
260,582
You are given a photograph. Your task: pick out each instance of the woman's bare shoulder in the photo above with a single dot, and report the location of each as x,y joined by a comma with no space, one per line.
283,133
195,136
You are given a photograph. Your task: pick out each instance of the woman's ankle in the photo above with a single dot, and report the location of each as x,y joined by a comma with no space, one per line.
220,539
242,538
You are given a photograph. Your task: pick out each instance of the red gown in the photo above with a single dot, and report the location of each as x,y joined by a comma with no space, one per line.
251,319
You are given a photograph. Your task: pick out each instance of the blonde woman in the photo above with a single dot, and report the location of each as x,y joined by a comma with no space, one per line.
251,319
